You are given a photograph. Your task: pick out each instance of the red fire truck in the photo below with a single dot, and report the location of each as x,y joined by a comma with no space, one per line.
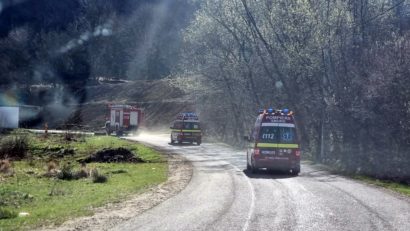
123,119
273,143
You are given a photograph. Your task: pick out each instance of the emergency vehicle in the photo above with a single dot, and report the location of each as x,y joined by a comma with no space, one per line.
273,142
186,128
123,119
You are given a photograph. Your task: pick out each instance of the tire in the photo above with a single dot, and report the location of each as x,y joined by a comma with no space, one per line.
248,167
295,171
198,142
253,168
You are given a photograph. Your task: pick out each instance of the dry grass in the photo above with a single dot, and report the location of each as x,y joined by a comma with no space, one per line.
6,167
52,169
14,147
98,177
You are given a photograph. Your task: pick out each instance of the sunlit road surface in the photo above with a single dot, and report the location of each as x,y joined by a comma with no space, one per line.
221,196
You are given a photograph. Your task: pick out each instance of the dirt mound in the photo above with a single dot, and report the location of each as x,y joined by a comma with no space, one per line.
109,155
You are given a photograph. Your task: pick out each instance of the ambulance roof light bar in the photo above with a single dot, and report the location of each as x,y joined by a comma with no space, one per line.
284,111
187,116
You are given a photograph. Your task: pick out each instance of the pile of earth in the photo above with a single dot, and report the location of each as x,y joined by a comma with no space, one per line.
109,155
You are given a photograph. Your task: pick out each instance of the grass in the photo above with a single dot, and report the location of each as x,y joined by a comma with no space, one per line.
52,201
400,188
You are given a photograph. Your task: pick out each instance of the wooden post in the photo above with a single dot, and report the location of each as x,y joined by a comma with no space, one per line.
45,130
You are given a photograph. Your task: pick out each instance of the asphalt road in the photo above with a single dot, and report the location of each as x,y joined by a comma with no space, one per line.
222,196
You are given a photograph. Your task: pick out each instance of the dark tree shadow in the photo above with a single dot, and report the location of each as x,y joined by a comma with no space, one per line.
268,174
183,144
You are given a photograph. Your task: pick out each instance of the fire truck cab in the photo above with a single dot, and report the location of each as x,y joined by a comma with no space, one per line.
273,142
186,128
123,119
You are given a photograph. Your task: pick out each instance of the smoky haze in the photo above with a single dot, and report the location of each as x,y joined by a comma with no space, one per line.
53,50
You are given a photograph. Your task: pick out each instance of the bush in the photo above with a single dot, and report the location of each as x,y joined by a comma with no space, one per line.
82,173
66,173
5,167
97,177
7,213
119,171
14,147
52,166
52,169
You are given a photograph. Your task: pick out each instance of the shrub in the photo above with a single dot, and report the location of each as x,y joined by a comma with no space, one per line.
5,166
52,169
52,166
68,136
56,190
14,147
82,173
7,213
119,171
97,177
66,173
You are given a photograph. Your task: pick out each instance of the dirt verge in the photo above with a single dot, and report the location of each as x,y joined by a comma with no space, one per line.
110,215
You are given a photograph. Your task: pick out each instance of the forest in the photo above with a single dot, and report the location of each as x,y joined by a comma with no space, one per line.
343,66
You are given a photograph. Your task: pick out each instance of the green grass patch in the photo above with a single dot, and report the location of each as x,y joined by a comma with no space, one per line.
49,200
401,188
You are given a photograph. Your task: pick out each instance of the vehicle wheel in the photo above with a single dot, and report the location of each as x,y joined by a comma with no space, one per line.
248,166
253,168
295,171
198,142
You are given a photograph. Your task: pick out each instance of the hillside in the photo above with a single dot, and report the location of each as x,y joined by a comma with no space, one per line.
160,100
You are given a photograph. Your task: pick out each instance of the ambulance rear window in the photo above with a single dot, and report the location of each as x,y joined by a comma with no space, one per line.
186,125
274,134
178,125
191,125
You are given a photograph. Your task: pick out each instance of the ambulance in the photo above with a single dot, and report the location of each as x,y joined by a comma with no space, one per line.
186,128
273,143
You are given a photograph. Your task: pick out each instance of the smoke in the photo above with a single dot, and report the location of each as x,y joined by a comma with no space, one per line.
60,45
160,12
102,30
9,117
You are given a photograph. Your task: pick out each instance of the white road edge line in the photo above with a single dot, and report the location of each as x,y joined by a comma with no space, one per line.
252,207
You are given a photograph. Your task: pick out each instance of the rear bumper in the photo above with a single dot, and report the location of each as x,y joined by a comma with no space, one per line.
278,163
188,138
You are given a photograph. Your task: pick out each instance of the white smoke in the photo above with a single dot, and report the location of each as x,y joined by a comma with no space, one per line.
9,117
102,30
143,48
